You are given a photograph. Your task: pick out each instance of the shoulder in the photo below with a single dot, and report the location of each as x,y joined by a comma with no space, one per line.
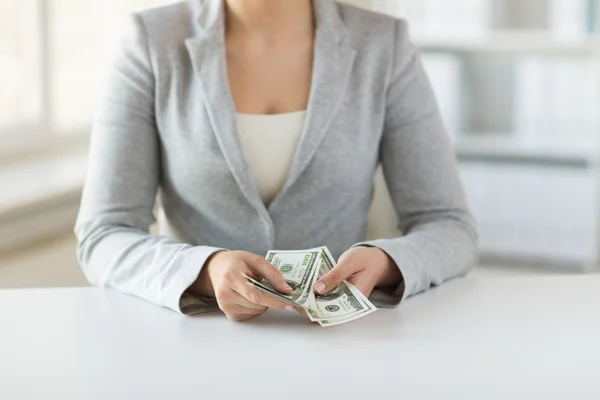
169,23
369,29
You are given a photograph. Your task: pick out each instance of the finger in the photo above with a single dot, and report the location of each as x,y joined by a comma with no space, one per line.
257,297
242,317
302,312
239,300
333,278
236,309
262,267
237,305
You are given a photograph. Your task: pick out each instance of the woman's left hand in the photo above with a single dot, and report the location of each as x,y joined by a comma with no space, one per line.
365,267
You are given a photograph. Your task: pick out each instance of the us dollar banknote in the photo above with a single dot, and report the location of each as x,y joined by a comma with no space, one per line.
298,269
301,269
343,304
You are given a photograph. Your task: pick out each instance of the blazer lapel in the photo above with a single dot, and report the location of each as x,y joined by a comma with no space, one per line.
332,65
207,52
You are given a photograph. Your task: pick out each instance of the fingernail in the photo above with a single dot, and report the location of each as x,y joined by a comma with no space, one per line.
287,287
289,308
320,287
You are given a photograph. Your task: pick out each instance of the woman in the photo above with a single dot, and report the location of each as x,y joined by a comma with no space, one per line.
263,122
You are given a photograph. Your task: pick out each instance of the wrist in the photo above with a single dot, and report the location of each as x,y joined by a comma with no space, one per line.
203,286
390,275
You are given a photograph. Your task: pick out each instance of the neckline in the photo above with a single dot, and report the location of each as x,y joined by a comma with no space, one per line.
289,114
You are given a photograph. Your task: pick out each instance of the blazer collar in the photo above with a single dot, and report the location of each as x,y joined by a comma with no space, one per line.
209,17
333,62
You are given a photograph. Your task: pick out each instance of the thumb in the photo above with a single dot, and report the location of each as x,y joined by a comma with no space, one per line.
262,268
333,278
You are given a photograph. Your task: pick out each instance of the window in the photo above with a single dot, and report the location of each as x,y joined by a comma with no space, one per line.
53,56
20,65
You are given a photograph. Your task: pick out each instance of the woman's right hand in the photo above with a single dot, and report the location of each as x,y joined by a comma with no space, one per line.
223,278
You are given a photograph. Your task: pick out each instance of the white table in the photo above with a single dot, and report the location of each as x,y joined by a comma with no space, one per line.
506,338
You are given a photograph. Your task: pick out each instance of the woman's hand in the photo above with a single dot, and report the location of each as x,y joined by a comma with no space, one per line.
223,278
366,267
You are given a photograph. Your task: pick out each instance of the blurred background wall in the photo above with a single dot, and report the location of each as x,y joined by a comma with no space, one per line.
517,83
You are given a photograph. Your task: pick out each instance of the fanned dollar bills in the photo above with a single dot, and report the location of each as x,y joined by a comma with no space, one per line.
301,269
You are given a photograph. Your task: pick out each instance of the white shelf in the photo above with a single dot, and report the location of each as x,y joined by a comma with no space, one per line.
514,42
496,147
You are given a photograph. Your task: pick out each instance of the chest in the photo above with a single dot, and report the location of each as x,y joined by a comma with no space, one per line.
270,80
339,146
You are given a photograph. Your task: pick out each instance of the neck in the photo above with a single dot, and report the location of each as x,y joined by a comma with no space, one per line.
269,18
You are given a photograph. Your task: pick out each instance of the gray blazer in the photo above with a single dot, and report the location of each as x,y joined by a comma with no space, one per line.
167,122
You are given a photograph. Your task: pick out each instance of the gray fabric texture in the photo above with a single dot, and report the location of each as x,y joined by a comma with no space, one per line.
166,125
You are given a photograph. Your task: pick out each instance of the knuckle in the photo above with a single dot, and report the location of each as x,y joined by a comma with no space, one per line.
264,265
246,257
275,273
275,276
221,292
229,278
272,278
225,306
258,259
233,260
252,257
226,309
272,303
267,265
254,296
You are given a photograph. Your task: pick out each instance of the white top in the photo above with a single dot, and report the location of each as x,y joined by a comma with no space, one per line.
269,144
501,338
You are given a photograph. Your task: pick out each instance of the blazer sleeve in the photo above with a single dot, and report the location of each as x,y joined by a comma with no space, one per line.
420,169
115,248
